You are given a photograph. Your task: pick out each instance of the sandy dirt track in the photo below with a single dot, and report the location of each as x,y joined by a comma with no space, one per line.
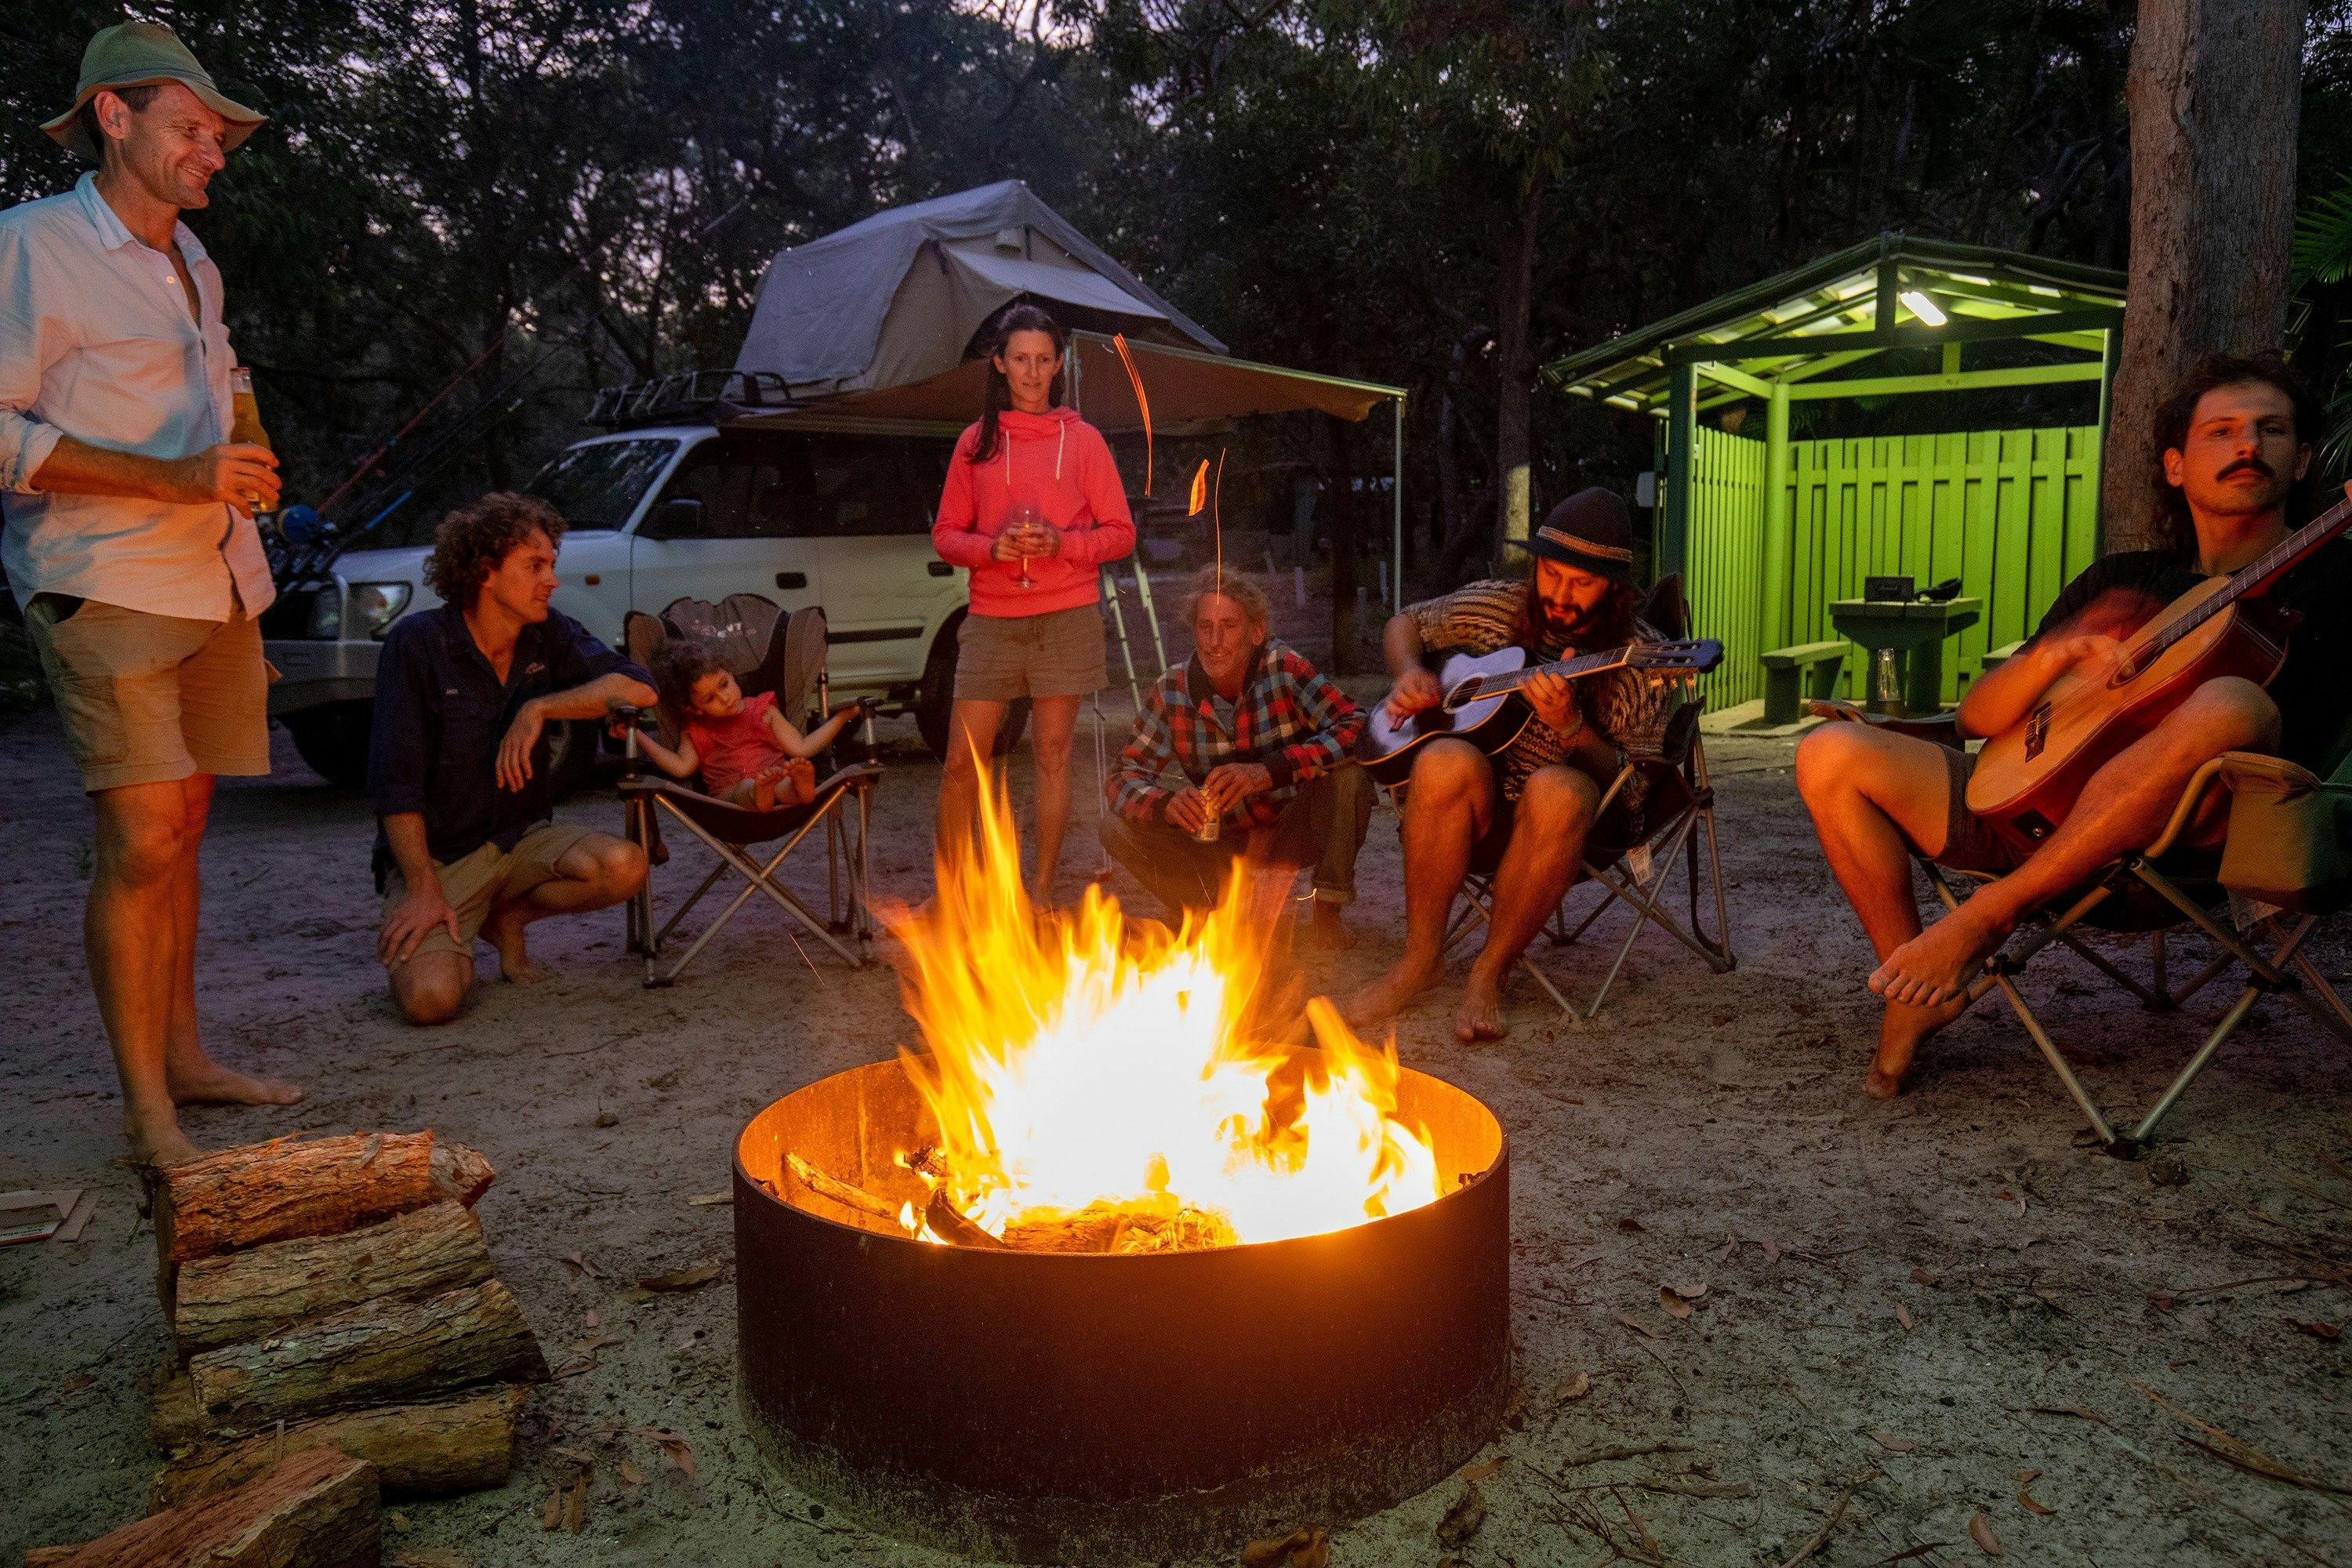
1928,1299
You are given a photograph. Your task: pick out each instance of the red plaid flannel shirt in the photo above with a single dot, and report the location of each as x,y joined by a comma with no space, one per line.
1289,717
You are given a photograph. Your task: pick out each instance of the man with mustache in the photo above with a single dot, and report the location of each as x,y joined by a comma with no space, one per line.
2235,437
1521,816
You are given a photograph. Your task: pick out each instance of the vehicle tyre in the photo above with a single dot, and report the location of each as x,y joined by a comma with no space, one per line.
936,699
333,739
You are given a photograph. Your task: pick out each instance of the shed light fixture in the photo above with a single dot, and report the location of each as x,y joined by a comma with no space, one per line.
1926,310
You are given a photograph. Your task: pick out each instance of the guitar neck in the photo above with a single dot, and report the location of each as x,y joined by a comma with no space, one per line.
2262,572
1567,668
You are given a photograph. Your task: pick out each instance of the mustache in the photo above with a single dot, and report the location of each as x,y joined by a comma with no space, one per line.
2248,465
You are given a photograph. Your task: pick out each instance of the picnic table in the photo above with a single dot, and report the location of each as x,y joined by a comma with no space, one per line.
1915,630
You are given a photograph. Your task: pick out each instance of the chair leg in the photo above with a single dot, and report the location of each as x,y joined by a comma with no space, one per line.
757,878
2056,1059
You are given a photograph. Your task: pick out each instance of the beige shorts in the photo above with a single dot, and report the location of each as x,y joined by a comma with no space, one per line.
149,698
1058,654
474,883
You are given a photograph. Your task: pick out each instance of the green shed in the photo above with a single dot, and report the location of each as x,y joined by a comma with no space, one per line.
1769,532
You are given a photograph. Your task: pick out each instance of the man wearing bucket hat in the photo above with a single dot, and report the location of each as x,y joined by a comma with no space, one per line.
129,538
1522,816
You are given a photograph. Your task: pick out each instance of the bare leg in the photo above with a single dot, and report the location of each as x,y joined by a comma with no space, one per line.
971,740
131,935
2122,808
1053,720
1546,852
1873,795
594,874
194,1077
430,987
1448,806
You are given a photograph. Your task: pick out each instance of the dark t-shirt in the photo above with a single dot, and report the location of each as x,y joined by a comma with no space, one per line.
2314,691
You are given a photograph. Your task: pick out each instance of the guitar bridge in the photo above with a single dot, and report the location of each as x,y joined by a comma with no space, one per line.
2037,732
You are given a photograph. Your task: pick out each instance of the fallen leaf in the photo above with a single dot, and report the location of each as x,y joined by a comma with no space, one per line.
1572,1388
1921,1277
1629,1225
1639,1327
1728,1248
2025,1497
1980,1531
583,1355
606,1119
1903,1316
82,1380
553,1514
1273,1550
1771,1250
705,1200
1687,1291
585,1264
693,1279
1465,1519
631,1474
1485,1467
2318,1330
577,1455
2025,1477
674,1448
1894,1445
2162,1300
588,1318
575,1509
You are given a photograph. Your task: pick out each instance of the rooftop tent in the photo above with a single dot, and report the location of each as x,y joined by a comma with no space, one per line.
1770,533
896,298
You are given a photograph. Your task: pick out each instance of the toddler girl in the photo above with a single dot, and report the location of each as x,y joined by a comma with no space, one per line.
745,749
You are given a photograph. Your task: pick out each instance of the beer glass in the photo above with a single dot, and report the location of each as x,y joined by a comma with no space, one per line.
245,419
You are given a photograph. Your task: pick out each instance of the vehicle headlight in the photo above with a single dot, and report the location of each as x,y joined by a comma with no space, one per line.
326,614
375,605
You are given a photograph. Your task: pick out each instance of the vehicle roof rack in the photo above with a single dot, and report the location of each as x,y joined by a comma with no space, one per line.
693,396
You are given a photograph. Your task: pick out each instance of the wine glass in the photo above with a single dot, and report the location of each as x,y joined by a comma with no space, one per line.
1023,519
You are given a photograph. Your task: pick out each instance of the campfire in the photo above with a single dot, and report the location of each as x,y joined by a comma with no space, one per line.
1101,1085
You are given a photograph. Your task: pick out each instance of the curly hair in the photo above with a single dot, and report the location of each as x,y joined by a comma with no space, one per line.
680,664
472,541
1232,585
2175,530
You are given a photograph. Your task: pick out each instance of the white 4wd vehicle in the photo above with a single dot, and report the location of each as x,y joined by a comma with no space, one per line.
830,512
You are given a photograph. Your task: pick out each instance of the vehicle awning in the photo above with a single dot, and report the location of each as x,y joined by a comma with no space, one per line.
1186,389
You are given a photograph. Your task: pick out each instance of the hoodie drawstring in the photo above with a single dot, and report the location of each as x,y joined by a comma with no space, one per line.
1061,438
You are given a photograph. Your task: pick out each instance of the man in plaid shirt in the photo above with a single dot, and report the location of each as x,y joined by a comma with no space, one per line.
1259,741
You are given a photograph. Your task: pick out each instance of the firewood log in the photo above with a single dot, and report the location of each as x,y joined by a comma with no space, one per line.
315,1510
382,1353
459,1443
246,1295
268,1192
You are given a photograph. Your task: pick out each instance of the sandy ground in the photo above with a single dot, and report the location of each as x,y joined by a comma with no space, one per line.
1927,1300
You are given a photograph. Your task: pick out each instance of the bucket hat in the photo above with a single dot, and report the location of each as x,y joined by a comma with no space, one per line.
145,54
1591,531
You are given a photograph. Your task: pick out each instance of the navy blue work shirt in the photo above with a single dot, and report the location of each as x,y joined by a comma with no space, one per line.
441,712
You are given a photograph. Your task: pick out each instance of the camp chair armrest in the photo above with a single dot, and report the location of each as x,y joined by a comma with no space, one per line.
2236,772
1944,729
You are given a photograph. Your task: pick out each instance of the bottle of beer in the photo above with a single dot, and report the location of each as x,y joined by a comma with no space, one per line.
244,427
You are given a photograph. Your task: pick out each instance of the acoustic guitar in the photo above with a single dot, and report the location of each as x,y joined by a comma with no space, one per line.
2027,777
1482,706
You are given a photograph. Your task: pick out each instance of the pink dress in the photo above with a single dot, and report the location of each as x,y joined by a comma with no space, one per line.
733,750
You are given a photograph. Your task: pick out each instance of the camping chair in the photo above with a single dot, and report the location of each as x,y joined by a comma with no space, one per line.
2284,864
789,661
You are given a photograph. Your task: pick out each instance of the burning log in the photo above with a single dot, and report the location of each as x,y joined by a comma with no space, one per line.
952,1227
377,1353
268,1192
1157,1225
315,1510
452,1445
249,1295
839,1190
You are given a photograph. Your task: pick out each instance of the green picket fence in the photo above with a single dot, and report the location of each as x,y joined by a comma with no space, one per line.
2011,513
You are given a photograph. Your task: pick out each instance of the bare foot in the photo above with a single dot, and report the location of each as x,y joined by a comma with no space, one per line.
514,963
1481,1014
1900,1033
159,1142
1938,964
763,792
1388,995
209,1083
1328,933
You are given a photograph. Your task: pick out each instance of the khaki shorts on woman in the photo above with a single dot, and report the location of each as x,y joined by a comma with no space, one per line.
1058,654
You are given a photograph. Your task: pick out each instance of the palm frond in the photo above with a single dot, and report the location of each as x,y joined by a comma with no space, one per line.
2323,237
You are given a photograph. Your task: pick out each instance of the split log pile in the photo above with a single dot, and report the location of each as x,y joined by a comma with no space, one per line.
313,1510
336,1293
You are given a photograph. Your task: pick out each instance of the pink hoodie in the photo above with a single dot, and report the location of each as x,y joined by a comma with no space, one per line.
1059,464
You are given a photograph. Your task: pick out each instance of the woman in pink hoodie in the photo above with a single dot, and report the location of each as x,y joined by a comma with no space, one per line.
1034,506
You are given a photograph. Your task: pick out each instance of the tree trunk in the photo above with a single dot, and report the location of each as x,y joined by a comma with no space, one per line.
249,1295
317,1509
2215,98
1513,377
375,1354
455,1444
268,1192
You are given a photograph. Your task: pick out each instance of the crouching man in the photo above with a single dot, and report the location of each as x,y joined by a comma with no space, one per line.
458,761
1257,742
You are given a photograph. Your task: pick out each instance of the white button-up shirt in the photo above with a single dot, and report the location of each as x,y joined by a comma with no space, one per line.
96,343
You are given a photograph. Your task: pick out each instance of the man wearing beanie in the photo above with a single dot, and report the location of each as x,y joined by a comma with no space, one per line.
1522,816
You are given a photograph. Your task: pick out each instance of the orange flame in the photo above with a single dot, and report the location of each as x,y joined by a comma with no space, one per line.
1080,1066
1142,403
1200,497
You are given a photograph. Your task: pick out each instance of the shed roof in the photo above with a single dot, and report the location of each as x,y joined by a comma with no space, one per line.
1847,307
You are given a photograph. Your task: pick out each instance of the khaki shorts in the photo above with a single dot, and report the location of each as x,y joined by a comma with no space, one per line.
150,698
1058,654
474,883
